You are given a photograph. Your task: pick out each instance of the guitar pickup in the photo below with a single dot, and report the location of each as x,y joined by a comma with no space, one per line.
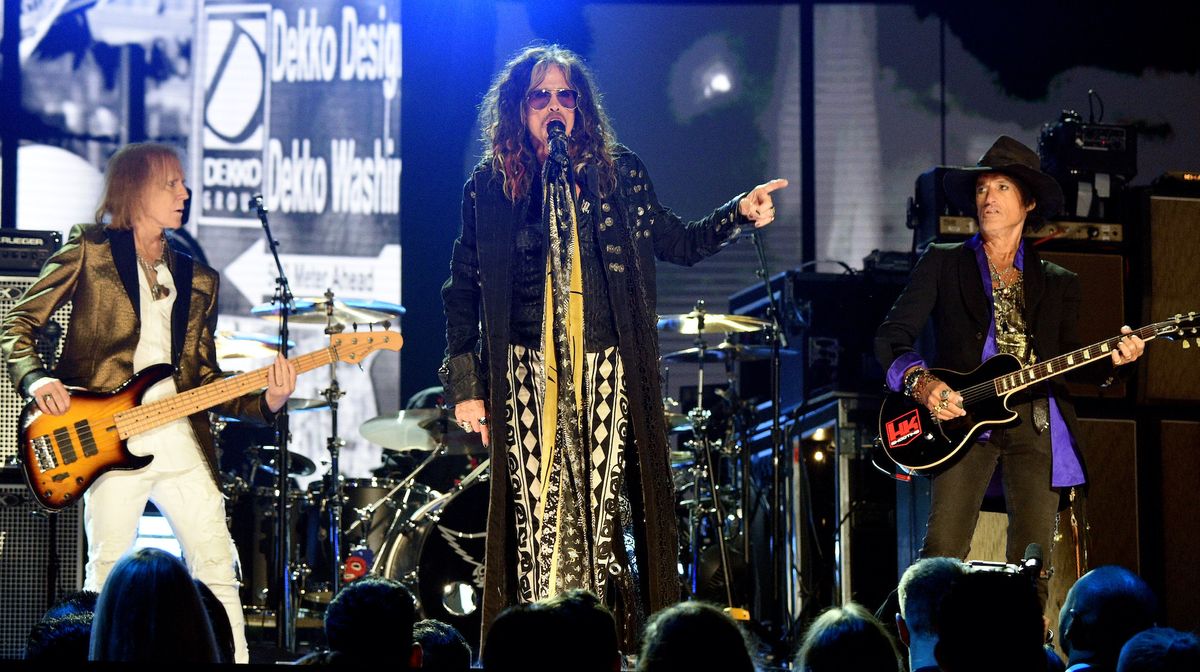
43,452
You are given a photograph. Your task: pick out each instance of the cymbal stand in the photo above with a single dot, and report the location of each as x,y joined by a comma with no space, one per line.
699,417
333,489
285,598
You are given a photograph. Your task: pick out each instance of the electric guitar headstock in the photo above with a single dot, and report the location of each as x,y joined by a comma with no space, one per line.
1184,327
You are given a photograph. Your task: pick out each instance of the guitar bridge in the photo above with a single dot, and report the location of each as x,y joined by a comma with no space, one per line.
43,452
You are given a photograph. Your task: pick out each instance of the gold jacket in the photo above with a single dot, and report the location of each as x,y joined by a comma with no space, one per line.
96,270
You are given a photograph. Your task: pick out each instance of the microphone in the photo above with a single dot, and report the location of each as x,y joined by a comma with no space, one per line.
557,131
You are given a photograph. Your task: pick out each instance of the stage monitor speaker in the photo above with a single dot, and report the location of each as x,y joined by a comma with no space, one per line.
1181,544
49,348
25,559
1172,285
1102,311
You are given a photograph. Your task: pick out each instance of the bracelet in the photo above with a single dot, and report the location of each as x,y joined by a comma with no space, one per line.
912,379
917,384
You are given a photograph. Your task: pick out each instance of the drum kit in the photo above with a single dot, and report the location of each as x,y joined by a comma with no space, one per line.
425,532
711,464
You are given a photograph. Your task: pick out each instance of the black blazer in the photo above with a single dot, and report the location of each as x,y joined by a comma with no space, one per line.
946,286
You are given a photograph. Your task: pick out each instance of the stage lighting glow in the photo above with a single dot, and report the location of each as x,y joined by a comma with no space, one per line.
718,83
704,77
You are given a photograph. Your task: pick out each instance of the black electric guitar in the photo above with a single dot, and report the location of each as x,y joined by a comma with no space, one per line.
916,441
64,454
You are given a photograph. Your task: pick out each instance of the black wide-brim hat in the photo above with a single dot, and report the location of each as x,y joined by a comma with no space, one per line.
1009,157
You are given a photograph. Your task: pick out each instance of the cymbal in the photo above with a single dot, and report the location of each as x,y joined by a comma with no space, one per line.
445,431
244,345
421,429
295,404
721,352
298,465
312,310
401,430
689,323
677,422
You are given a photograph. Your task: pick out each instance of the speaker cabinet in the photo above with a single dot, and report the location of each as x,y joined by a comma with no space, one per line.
1181,535
25,544
1172,285
49,348
1102,311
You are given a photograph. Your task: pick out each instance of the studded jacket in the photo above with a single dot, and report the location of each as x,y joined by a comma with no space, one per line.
633,230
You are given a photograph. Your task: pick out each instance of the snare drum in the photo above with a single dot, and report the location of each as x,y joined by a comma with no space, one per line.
439,554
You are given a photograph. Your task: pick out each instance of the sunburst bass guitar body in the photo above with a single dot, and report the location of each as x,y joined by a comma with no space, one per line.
62,455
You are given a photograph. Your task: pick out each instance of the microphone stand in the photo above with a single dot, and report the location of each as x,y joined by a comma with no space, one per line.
285,609
780,467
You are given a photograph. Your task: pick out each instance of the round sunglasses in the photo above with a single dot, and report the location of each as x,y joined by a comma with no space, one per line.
539,98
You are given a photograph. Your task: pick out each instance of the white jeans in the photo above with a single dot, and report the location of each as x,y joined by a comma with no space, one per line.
195,509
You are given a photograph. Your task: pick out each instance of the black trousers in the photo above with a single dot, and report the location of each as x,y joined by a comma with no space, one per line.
1032,503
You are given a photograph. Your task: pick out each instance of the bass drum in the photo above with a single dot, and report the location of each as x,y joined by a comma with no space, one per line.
439,555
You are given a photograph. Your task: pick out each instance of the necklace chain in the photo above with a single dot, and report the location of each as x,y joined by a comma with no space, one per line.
157,289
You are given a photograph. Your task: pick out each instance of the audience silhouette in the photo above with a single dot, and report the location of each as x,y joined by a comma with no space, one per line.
991,621
1160,650
693,636
1104,608
848,639
443,648
922,588
150,611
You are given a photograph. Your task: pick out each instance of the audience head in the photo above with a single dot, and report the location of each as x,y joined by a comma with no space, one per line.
922,588
693,636
585,630
368,614
1160,650
63,639
78,602
507,647
149,610
991,621
218,618
1104,608
443,648
847,639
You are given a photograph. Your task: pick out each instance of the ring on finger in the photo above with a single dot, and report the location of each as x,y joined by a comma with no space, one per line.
945,394
47,398
482,422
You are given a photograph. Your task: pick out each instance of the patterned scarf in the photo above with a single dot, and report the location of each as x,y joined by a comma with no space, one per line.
563,468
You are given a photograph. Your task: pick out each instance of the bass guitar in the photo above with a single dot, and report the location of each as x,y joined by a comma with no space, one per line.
917,441
61,455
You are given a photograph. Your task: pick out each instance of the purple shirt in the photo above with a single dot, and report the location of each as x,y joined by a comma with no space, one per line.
1067,470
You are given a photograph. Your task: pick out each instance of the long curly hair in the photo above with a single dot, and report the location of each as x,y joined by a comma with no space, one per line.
506,143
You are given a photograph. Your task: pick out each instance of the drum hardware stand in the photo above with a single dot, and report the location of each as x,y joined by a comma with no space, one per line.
334,496
781,588
699,417
363,515
285,611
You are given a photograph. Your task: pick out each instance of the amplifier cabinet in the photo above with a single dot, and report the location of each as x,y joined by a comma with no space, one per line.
25,546
49,347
